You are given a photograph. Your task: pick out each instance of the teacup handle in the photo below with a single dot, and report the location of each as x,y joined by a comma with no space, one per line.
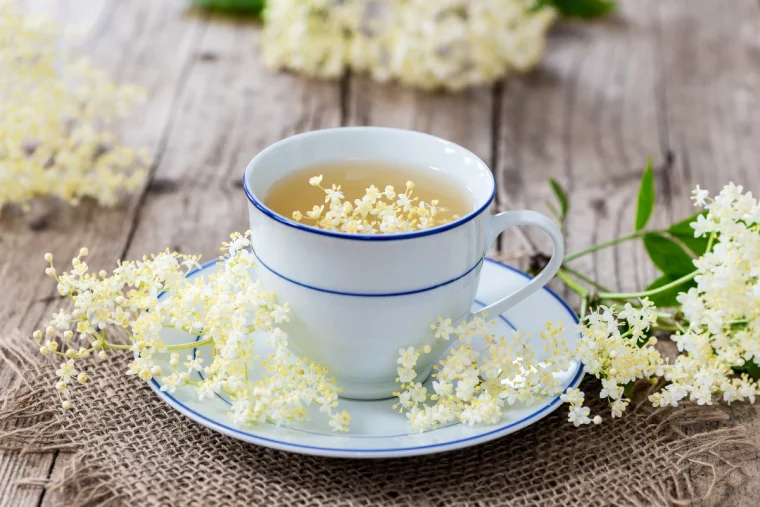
498,224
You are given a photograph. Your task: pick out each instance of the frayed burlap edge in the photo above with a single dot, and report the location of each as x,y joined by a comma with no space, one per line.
31,421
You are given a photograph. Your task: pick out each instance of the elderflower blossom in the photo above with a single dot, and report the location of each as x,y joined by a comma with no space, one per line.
376,212
227,310
55,114
721,346
616,348
475,387
428,44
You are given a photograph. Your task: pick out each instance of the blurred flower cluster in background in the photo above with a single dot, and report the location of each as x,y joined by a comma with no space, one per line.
449,44
56,116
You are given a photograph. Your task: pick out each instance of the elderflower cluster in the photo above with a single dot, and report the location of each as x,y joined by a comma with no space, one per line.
55,116
616,348
721,346
449,44
383,212
476,387
720,343
230,313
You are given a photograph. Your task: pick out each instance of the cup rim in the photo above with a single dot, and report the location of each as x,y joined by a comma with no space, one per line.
365,237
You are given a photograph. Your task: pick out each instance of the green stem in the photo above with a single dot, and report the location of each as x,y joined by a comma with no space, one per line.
190,345
710,242
572,283
584,278
636,295
584,307
600,246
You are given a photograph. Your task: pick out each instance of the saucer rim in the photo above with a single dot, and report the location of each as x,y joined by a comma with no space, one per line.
333,452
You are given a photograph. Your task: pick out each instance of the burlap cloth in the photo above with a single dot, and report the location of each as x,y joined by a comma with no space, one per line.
132,449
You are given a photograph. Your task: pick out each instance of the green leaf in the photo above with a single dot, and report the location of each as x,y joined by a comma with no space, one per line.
645,204
668,255
561,197
751,368
684,232
584,9
667,298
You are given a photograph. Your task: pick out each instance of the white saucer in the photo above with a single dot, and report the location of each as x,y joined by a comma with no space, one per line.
376,430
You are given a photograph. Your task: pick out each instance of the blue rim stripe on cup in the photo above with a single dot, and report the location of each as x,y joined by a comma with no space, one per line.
368,237
368,295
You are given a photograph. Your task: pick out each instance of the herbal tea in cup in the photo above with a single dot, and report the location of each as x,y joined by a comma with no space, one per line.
358,295
354,189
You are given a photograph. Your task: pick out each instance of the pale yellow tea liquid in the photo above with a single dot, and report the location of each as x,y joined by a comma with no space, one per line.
294,193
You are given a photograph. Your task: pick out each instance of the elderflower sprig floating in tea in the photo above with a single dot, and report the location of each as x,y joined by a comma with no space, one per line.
377,212
56,111
228,312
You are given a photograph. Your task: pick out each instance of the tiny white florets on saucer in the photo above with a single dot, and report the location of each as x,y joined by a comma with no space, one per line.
476,387
222,310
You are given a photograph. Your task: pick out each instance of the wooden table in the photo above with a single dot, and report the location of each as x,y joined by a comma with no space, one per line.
677,80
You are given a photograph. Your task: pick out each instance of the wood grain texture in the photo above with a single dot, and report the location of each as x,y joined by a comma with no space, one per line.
229,109
677,80
147,44
709,54
588,116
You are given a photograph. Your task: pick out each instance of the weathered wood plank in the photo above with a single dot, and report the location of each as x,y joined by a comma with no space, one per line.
230,109
141,43
464,118
587,117
709,54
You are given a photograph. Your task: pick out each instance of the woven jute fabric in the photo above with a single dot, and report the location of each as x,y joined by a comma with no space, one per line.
132,449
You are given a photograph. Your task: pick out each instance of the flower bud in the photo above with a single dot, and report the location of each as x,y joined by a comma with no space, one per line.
67,405
48,257
83,252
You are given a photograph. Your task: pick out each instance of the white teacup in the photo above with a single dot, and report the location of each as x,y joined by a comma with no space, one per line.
357,299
